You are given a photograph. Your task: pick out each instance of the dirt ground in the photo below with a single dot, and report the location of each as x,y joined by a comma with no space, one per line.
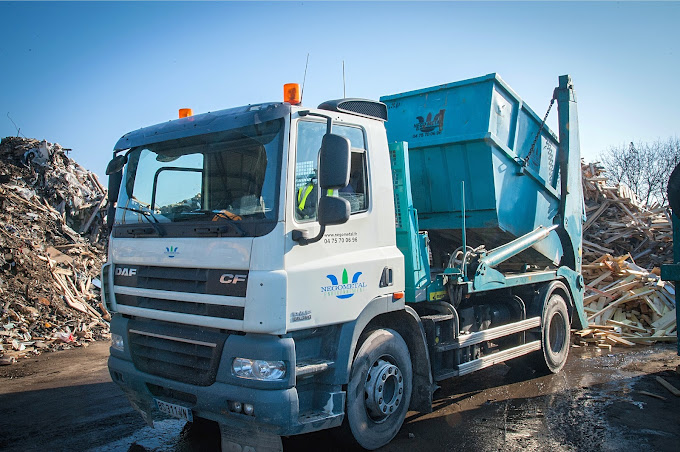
66,401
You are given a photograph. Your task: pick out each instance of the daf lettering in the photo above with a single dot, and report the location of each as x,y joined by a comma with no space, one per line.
228,278
122,271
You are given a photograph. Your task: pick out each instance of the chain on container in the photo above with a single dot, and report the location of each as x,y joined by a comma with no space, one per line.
540,129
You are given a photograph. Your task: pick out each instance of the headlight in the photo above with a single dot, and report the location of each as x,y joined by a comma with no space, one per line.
117,342
258,369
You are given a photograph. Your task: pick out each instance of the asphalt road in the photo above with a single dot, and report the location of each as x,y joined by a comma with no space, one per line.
66,401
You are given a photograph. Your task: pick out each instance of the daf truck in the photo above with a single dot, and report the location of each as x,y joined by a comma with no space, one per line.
281,269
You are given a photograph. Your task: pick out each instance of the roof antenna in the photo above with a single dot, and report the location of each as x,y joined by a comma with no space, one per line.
302,92
344,95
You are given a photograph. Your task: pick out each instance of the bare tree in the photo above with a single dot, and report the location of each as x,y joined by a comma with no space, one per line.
644,167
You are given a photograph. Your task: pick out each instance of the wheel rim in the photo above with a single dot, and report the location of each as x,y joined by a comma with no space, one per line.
384,389
557,333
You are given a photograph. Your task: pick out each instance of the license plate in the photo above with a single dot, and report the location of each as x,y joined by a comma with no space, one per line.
178,411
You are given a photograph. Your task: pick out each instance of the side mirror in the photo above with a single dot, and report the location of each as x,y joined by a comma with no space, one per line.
115,180
334,167
116,164
333,210
334,162
115,172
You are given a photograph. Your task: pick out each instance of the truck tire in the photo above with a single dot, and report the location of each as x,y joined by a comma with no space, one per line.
555,334
379,389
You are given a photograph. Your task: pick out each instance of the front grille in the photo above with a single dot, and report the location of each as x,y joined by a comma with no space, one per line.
183,307
190,280
177,352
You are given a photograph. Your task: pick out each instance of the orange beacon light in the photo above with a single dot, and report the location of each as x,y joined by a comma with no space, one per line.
291,93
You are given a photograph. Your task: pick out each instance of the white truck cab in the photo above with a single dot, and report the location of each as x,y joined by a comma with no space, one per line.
227,291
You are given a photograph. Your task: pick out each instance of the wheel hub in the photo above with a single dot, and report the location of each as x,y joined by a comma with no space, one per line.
384,389
556,333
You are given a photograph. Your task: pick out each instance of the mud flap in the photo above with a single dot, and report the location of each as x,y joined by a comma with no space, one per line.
246,440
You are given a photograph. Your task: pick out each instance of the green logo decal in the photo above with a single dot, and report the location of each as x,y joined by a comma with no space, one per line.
344,289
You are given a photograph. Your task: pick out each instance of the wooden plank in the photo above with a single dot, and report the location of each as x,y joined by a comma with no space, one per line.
611,291
673,390
607,314
599,279
622,282
666,321
596,247
616,237
601,327
623,299
626,326
620,340
93,178
87,224
652,305
651,394
650,340
68,296
592,218
640,340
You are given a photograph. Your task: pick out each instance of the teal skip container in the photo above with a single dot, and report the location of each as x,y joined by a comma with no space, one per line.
479,132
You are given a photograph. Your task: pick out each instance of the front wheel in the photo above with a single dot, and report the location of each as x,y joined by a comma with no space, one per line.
379,389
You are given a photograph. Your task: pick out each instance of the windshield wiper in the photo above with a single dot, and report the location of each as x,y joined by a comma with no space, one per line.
148,216
217,228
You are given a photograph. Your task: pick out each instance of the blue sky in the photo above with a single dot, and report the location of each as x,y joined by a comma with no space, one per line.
82,74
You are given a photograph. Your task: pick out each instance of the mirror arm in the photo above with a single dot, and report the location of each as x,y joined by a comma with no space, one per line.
329,120
299,236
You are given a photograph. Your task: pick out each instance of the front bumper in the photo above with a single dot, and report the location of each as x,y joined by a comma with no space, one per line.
275,410
276,404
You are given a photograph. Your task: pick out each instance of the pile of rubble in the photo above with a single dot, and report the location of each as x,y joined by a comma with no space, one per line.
626,302
52,245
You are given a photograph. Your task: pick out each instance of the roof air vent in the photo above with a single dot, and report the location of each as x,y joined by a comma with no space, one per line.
361,107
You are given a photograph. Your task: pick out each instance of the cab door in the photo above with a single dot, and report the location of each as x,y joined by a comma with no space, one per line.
332,280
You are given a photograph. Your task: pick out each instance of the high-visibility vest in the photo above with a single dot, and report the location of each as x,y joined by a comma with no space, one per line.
303,193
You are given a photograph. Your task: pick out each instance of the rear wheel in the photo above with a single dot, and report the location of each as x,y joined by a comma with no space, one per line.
554,337
379,389
554,334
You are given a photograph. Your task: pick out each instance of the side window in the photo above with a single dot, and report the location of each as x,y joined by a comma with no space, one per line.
309,136
356,192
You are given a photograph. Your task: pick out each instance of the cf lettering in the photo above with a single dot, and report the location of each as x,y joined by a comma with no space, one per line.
228,278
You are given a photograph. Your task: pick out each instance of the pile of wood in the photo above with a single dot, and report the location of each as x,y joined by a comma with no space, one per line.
618,223
51,251
626,305
626,302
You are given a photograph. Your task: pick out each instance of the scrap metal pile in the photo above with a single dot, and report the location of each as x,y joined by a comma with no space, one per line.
624,244
52,245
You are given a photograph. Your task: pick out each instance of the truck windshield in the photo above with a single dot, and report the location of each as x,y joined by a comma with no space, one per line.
228,178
